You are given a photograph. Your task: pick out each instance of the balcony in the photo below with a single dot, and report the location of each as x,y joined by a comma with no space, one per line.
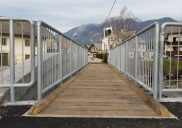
173,52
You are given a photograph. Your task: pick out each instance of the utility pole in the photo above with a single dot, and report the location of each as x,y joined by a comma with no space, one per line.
100,41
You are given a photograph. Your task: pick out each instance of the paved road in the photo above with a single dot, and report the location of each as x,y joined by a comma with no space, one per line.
11,118
94,60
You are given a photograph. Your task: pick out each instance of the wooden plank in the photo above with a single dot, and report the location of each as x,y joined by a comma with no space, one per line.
99,94
99,108
156,106
98,99
100,81
98,91
100,113
98,86
91,83
112,104
36,108
102,93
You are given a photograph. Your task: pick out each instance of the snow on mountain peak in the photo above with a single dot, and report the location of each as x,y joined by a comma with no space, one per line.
179,20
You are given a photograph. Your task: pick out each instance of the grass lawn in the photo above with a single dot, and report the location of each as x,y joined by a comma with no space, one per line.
166,64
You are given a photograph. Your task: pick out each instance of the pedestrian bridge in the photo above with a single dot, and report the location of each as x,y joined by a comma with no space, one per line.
89,90
96,91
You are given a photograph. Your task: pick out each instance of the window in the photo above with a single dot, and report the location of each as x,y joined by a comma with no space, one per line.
93,50
4,41
176,39
175,48
27,57
35,43
27,42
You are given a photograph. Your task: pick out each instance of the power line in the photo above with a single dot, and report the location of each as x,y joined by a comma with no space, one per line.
104,22
109,14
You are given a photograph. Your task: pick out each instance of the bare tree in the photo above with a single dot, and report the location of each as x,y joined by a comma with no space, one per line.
122,24
127,18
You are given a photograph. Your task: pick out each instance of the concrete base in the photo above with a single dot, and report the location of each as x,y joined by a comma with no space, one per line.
171,100
104,116
4,95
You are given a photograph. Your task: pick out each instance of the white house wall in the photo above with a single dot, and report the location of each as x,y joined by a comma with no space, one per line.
18,48
174,35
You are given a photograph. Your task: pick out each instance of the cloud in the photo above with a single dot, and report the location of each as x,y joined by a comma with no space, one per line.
67,14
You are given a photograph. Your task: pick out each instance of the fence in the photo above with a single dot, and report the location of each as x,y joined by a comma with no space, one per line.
58,57
137,57
14,31
62,53
170,70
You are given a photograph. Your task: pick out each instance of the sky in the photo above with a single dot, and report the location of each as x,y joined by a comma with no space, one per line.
67,14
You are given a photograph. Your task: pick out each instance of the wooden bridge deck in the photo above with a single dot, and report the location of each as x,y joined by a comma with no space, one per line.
98,92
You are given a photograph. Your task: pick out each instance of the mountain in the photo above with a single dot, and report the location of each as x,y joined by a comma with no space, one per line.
148,22
89,33
179,20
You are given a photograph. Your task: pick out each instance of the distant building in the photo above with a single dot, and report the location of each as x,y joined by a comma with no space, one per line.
94,49
17,40
116,37
171,41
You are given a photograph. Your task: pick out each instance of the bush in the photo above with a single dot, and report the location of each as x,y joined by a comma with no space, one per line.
100,56
105,58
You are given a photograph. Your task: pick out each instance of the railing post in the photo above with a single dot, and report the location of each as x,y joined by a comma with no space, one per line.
120,57
155,67
70,58
12,61
61,57
39,55
136,56
161,64
76,57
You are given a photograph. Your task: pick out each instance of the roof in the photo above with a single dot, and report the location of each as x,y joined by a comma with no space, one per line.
97,45
18,28
174,30
124,35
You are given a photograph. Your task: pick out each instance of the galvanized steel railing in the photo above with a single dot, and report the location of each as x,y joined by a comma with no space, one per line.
59,57
65,55
137,57
170,37
10,30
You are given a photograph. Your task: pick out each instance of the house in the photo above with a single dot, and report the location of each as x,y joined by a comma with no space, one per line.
145,49
94,49
172,38
116,37
21,41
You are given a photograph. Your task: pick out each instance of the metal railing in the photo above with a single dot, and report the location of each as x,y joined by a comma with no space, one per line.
137,57
13,29
170,77
59,57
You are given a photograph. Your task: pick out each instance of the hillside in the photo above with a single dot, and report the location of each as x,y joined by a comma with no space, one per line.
89,33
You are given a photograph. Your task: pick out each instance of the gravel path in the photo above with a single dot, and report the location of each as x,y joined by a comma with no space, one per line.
11,118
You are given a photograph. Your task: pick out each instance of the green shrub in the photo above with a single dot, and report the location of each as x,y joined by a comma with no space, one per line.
102,61
100,56
105,58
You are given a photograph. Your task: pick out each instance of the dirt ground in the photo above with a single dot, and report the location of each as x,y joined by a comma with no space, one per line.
11,118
